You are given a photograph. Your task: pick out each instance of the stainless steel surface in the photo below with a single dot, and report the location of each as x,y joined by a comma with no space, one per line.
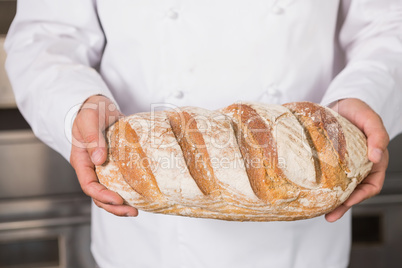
395,152
377,222
72,247
41,206
65,219
43,212
395,199
29,168
19,209
386,250
42,223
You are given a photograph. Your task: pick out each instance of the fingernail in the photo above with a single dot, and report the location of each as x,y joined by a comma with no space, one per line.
97,157
131,214
376,155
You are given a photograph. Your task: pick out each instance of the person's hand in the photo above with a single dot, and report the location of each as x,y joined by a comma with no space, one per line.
89,149
360,114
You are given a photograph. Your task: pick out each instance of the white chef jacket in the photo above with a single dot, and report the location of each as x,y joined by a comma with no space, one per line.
207,53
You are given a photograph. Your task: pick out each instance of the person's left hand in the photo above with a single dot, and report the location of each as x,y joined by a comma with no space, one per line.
368,121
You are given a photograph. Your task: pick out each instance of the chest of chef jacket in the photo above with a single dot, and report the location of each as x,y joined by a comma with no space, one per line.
213,53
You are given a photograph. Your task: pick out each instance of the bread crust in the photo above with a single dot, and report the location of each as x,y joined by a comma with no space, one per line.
326,137
256,142
212,174
195,153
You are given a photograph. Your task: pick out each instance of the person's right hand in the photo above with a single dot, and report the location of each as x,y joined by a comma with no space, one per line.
89,149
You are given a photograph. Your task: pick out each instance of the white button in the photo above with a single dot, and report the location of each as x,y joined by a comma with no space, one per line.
173,14
277,10
178,94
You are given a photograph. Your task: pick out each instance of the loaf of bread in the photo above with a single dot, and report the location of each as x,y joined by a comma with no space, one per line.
245,162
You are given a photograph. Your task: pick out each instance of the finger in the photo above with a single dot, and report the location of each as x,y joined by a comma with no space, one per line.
337,213
91,130
370,187
118,210
377,138
88,180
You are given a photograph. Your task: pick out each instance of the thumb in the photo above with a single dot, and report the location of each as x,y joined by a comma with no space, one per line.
91,130
97,113
98,156
377,137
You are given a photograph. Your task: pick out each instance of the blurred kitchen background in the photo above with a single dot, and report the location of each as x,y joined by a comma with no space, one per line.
45,218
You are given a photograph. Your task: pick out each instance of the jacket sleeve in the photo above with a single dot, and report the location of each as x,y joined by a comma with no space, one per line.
53,49
371,38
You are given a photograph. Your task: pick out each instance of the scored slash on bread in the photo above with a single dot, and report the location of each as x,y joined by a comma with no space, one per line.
195,153
133,163
324,134
259,151
246,162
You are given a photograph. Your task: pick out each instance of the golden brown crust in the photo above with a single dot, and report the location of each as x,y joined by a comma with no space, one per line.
259,151
194,151
323,131
271,195
133,163
319,117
